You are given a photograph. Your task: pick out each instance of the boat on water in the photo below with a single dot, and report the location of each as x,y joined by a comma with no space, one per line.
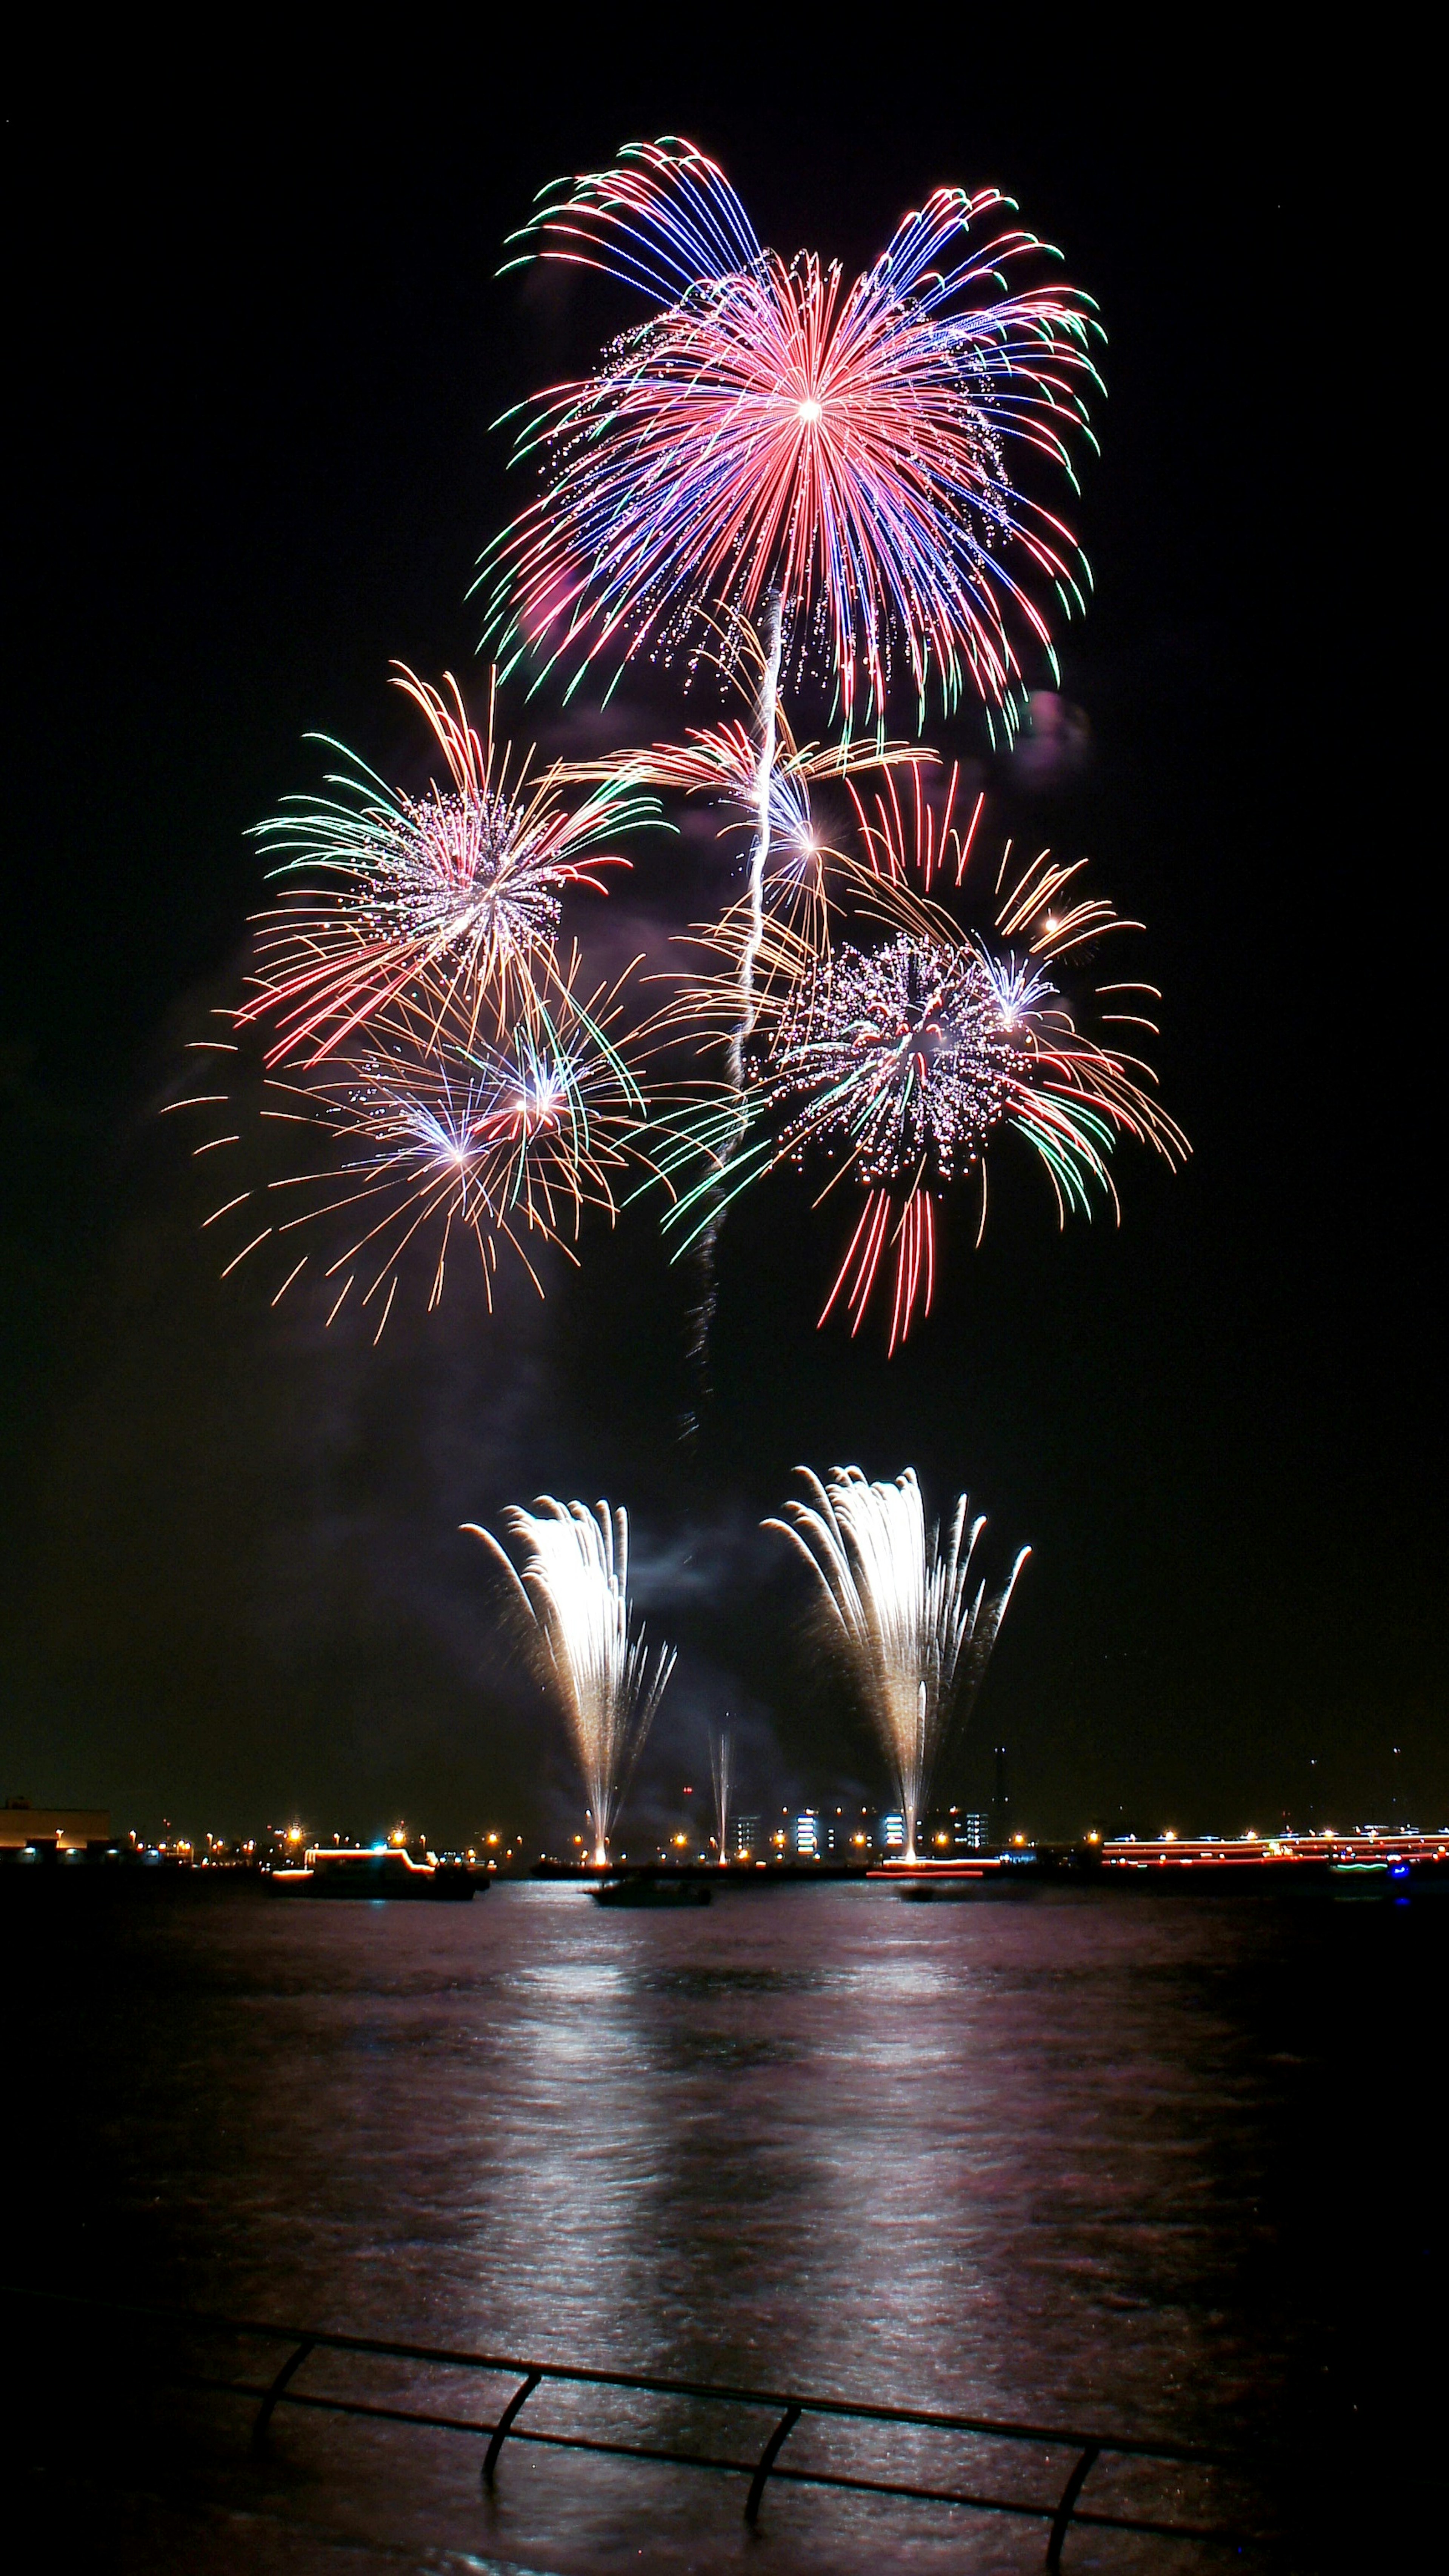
980,1890
333,1871
664,1892
948,1882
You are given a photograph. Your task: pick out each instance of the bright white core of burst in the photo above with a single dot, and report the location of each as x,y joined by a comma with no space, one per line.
810,412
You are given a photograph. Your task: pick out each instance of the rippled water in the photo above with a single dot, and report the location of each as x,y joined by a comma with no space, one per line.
1055,2159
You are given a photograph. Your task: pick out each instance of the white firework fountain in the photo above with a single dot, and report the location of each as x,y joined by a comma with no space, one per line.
572,1597
722,1775
898,1599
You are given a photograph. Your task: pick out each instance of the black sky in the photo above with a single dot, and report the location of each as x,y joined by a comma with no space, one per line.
260,345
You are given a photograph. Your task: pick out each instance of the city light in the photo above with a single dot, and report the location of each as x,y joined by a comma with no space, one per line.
824,1841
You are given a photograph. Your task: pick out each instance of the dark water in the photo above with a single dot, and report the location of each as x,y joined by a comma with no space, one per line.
1154,2165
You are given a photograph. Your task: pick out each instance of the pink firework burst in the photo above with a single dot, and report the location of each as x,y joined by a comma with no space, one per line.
769,431
897,1059
454,891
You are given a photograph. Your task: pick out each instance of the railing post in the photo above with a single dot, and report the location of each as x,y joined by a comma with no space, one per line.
767,2459
288,2371
1065,2510
504,2425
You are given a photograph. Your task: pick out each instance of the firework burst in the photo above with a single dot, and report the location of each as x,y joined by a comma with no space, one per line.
430,1137
899,1602
770,440
572,1603
896,1066
455,891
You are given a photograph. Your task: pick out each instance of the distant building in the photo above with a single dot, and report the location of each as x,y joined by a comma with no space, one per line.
747,1837
893,1832
1001,1801
806,1835
62,1828
970,1832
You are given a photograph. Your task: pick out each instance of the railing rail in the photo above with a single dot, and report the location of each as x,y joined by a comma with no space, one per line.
789,2410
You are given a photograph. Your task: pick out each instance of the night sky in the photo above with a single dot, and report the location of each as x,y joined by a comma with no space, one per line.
261,344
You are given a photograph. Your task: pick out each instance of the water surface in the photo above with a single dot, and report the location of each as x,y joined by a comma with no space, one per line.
1058,2160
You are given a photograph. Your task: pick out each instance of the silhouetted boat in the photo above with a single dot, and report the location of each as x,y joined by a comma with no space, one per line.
961,1891
955,1883
653,1891
373,1874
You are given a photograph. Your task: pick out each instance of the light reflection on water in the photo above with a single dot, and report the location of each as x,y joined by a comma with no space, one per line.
1001,2159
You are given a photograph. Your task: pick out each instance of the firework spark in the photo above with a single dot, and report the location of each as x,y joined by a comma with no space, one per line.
572,1600
768,437
456,890
898,1601
428,1137
896,1066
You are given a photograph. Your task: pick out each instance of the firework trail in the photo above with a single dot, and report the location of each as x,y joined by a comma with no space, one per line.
742,1026
896,1066
457,889
723,762
767,436
430,1136
760,772
767,724
573,1600
722,1774
898,1600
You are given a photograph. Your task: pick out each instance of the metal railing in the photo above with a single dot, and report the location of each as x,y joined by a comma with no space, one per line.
1059,2512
